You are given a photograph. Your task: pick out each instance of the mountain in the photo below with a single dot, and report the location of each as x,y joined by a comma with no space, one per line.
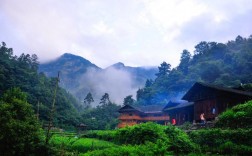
139,74
71,67
79,76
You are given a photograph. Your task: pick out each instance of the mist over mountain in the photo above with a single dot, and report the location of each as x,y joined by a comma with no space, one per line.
138,74
71,67
79,76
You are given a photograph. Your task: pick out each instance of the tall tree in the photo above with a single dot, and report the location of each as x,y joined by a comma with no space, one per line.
88,100
105,99
148,82
164,69
201,48
184,61
128,100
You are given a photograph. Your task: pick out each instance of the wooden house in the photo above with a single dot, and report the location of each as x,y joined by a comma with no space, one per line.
200,98
131,115
181,111
213,100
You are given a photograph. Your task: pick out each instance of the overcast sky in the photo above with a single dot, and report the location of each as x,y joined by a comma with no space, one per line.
135,32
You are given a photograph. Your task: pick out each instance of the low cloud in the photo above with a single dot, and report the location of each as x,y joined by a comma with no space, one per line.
117,83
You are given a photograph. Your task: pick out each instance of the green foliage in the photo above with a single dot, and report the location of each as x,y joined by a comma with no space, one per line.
164,69
80,145
105,99
147,139
128,100
230,148
221,64
139,134
180,141
149,149
102,117
88,100
186,126
239,116
20,130
218,140
107,135
22,72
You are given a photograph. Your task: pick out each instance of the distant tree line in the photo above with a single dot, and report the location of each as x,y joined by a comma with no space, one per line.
216,63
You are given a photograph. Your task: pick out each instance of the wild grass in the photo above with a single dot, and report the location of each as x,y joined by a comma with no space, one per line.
80,145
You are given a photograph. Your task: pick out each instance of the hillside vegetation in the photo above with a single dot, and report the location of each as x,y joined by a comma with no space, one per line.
22,72
215,63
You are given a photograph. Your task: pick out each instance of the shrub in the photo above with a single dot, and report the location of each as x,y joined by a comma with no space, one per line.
107,135
230,148
239,116
139,134
216,140
186,126
79,144
20,132
180,141
148,149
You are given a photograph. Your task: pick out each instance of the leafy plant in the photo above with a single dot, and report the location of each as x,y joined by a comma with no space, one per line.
20,131
139,134
239,116
180,141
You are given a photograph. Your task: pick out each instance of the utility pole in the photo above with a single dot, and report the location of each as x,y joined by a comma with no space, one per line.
52,111
38,111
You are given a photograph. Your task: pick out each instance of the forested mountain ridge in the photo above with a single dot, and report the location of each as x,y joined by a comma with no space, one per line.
22,72
79,76
71,68
220,64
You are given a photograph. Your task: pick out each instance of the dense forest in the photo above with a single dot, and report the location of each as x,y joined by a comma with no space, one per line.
22,72
216,63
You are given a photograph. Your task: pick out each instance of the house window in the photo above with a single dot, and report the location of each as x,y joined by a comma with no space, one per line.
213,110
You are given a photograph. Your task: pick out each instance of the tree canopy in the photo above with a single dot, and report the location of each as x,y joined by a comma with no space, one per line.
227,65
20,130
22,72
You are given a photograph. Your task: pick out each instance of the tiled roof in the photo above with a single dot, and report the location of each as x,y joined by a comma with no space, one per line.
151,108
199,85
179,106
156,108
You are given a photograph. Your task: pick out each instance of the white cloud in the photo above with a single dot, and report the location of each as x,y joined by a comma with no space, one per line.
138,33
117,83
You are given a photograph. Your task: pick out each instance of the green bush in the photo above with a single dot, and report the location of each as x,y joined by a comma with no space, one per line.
239,116
139,134
186,126
20,132
230,148
174,138
216,140
79,144
107,135
180,141
148,149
